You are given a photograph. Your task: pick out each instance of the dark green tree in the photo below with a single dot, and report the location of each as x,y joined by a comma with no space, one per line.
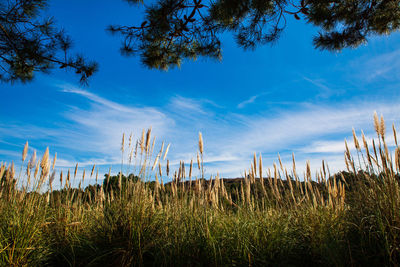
30,43
173,30
112,182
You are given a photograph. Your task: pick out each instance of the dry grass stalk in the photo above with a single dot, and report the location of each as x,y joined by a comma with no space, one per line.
36,169
308,170
382,128
12,170
356,144
68,178
83,175
45,159
155,162
142,142
76,170
198,160
394,134
167,168
377,124
366,149
294,166
166,151
254,165
280,162
2,169
190,168
201,143
148,137
92,171
25,151
260,169
54,161
152,145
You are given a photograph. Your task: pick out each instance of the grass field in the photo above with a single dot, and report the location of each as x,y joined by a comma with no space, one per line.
267,218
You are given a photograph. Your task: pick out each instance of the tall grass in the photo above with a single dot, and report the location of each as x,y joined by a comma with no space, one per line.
272,217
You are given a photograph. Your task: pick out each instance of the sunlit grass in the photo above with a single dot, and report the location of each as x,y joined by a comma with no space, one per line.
266,218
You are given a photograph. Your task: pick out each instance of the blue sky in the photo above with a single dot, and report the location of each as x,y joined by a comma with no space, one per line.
283,98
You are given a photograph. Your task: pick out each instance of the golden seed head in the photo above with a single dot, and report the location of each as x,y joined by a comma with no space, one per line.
54,161
190,169
91,173
382,127
376,124
36,169
254,161
166,151
356,144
45,159
142,142
159,169
155,162
25,151
167,167
200,143
12,170
76,170
148,136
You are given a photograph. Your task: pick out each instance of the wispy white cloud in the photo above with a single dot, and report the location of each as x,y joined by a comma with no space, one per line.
93,134
248,101
325,91
377,68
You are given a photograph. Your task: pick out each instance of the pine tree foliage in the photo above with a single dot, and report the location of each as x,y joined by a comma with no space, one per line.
31,44
173,30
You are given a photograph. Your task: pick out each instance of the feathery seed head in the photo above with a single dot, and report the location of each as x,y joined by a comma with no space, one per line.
382,127
36,169
200,143
45,159
190,169
25,151
91,173
377,124
12,170
54,161
166,151
167,167
356,144
148,136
